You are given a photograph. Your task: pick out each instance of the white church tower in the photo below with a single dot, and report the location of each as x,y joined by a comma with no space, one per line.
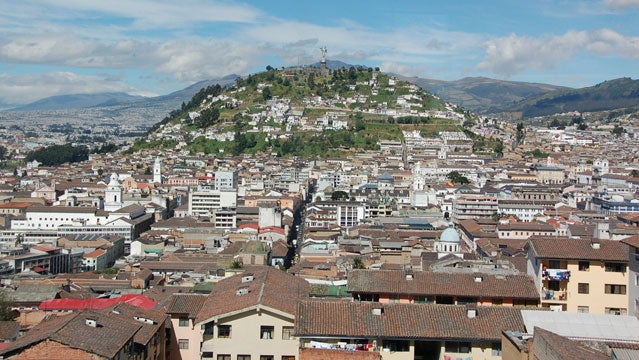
113,194
157,171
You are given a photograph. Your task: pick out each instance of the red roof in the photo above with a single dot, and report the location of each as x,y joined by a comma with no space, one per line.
272,229
137,300
95,253
249,225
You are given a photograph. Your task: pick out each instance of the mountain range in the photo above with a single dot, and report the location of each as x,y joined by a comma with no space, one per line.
479,94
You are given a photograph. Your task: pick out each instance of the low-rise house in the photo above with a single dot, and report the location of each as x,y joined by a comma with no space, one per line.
117,332
388,286
252,314
405,331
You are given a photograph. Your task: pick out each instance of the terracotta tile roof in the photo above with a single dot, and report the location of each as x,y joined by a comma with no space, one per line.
436,283
269,287
547,344
189,304
326,354
577,249
404,321
105,340
129,313
632,241
9,330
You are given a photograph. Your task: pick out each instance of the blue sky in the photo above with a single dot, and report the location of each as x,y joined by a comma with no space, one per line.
53,47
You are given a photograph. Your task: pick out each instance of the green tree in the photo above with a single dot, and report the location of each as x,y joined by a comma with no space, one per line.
618,131
358,263
339,196
456,178
3,152
6,307
634,173
266,93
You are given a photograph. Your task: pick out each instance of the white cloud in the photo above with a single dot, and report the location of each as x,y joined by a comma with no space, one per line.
515,54
621,4
22,89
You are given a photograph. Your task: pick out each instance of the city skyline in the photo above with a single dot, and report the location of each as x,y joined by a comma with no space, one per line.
155,47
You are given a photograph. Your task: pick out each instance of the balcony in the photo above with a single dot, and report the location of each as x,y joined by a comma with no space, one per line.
555,274
554,295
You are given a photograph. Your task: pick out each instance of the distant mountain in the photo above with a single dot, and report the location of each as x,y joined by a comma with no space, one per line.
78,101
481,94
608,95
118,99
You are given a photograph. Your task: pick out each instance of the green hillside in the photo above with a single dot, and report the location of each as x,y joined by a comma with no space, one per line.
301,112
609,95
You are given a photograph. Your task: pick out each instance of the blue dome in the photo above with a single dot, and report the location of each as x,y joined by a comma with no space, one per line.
450,235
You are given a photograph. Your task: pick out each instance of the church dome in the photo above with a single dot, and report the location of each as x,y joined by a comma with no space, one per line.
450,235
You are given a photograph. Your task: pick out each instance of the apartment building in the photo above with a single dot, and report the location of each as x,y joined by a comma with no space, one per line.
390,286
524,230
474,207
580,275
206,199
633,274
405,331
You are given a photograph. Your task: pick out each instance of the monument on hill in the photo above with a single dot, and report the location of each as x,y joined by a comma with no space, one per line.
323,61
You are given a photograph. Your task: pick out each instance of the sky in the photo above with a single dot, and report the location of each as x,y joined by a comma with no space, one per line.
154,47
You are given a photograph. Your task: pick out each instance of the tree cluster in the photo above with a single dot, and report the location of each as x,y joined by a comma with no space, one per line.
59,154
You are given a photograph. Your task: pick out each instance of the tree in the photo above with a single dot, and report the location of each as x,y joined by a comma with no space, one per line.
339,196
456,178
618,131
6,307
634,173
3,152
266,93
358,263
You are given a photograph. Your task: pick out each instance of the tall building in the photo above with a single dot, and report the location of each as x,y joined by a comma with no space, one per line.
113,194
157,171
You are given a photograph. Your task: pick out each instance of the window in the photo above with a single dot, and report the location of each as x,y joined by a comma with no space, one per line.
287,332
584,266
266,332
615,289
224,331
553,285
288,357
496,349
183,343
266,357
458,347
223,357
397,345
583,288
244,357
615,267
554,264
393,299
616,311
583,309
424,299
184,322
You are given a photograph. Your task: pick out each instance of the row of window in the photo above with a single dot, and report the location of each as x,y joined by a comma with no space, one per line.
611,311
209,355
585,266
225,331
584,288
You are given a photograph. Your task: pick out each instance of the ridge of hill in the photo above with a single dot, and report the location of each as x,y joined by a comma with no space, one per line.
608,95
480,94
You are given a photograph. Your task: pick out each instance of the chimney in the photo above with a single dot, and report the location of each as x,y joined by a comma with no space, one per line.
595,244
471,311
378,311
91,322
478,279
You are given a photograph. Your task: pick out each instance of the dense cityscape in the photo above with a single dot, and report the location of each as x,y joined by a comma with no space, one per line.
278,181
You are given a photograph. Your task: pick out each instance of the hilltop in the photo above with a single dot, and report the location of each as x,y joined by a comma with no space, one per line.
302,111
608,95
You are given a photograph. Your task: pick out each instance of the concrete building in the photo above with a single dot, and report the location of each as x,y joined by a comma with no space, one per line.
633,274
206,199
580,275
